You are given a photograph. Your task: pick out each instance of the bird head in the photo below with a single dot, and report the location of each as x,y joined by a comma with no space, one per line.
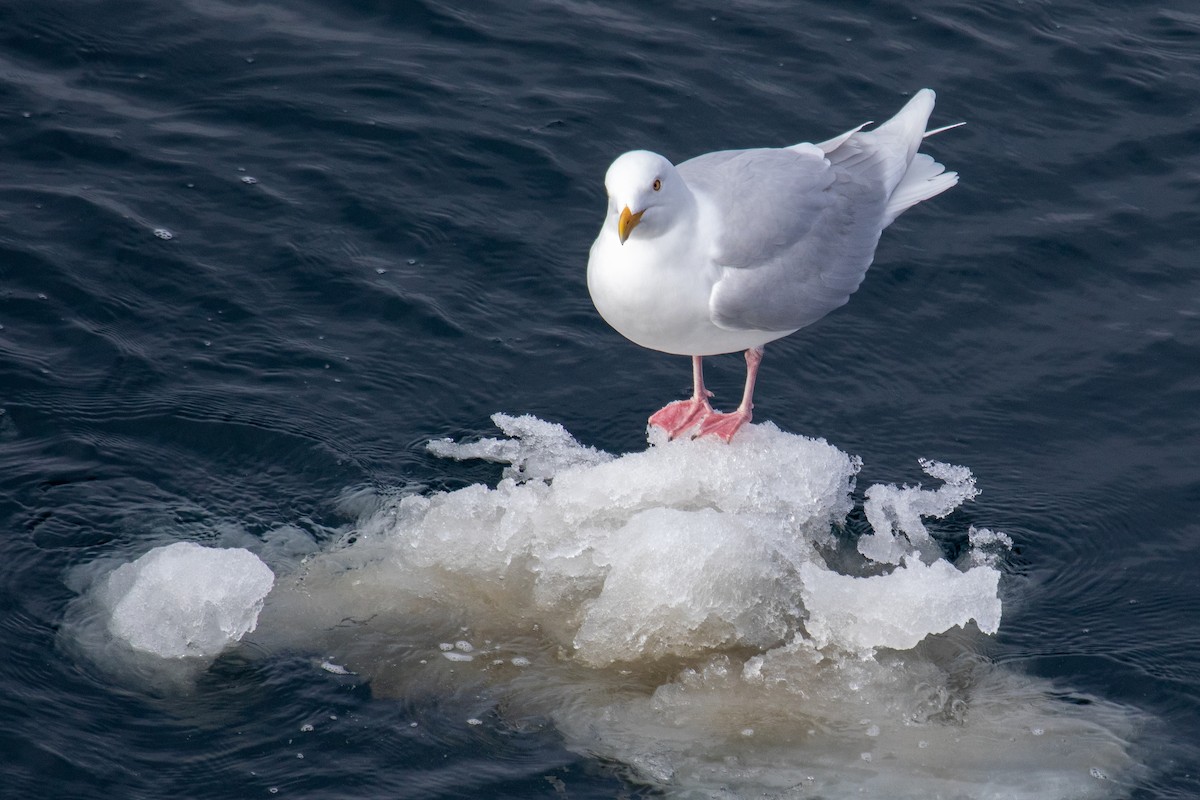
643,192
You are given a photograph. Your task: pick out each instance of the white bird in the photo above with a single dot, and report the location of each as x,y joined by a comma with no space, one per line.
737,248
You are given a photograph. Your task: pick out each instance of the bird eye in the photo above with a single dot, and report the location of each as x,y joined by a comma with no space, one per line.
657,184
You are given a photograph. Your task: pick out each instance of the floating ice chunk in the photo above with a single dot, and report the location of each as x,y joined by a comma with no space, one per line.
893,510
899,609
535,448
185,600
696,566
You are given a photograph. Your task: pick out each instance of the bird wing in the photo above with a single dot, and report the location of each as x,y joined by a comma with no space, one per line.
797,232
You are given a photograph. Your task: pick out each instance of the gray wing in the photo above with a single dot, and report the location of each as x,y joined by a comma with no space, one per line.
798,235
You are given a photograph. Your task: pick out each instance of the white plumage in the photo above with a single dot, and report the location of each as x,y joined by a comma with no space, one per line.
734,249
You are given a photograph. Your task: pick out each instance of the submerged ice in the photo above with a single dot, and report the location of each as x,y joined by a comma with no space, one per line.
695,611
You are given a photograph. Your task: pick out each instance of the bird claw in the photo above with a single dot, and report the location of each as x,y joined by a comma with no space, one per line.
723,426
682,415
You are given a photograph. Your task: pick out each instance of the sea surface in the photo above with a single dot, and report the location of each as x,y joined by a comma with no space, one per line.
254,256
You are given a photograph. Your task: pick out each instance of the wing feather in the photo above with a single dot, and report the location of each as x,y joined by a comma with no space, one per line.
799,225
798,233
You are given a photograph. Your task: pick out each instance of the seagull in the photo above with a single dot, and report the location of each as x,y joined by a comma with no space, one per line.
734,249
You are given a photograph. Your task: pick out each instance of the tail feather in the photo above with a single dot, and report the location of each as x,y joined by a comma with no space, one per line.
908,176
889,154
922,177
899,138
925,178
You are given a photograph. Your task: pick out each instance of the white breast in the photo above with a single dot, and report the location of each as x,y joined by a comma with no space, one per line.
662,303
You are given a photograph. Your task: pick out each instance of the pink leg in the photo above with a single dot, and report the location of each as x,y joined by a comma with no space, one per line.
681,415
724,426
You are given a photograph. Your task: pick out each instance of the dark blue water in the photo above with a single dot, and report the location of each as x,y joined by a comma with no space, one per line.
253,255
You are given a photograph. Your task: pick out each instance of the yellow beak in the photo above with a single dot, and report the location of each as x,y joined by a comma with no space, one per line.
627,222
